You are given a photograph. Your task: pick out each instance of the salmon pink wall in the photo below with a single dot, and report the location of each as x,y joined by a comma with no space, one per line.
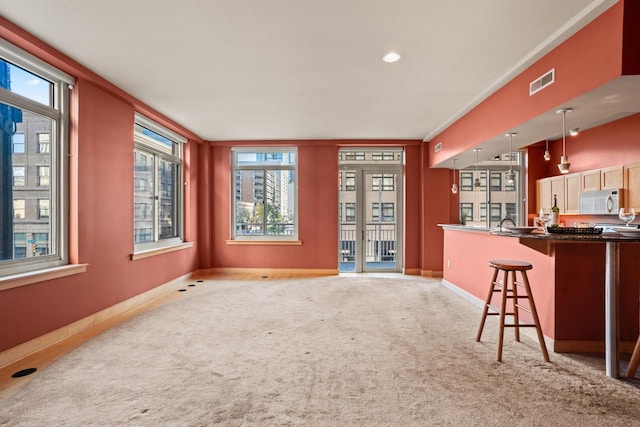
576,73
612,144
103,217
317,205
413,207
317,213
436,198
469,253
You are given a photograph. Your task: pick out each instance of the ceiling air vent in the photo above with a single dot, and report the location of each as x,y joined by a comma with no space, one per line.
541,82
437,147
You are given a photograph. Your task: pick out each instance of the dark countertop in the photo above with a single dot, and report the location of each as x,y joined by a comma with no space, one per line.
604,237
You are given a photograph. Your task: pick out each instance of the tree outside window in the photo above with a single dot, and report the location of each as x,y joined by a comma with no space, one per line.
265,193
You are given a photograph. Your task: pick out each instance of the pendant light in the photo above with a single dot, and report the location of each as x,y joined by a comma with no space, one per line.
547,155
476,182
564,161
510,176
454,187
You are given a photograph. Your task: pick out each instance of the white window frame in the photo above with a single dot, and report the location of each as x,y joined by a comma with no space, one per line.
235,167
151,147
59,146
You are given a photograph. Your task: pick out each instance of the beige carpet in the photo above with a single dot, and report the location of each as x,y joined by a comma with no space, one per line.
335,351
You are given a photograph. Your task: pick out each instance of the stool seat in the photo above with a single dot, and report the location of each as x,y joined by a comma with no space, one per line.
508,289
510,264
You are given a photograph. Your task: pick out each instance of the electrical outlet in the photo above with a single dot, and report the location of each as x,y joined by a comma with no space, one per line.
448,263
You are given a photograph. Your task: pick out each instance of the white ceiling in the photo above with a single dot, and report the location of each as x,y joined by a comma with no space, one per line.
294,69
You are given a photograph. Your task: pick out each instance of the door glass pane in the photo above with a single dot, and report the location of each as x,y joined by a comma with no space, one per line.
347,249
380,220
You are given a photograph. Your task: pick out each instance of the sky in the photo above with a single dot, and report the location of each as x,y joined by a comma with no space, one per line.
29,85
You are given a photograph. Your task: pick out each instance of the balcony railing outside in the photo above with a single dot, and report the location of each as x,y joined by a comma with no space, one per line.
379,243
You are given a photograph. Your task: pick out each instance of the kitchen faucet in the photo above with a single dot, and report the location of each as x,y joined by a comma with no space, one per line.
507,218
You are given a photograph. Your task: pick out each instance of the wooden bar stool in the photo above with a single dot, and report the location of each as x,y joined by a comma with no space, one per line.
635,359
509,290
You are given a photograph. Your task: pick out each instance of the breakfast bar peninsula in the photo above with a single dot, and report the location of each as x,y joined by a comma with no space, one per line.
586,287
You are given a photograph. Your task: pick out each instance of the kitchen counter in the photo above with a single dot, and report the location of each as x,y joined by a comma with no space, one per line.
584,285
611,281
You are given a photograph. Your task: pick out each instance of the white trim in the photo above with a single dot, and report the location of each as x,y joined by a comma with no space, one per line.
13,53
159,129
160,250
58,152
264,166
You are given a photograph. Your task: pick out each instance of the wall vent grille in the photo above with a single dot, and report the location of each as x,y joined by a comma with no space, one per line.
438,147
541,82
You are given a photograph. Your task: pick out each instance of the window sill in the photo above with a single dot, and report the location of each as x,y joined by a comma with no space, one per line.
32,277
265,242
160,251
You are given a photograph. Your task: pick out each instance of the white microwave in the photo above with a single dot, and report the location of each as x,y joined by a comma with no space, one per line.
600,202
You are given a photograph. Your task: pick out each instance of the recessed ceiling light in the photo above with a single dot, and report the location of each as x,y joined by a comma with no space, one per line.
391,57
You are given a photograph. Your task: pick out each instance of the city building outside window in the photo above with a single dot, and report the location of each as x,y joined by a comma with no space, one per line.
483,211
350,181
43,208
503,197
384,182
265,193
483,180
466,181
19,209
19,179
388,213
495,211
350,212
19,245
354,155
17,146
34,101
43,142
466,212
496,181
386,155
157,177
43,176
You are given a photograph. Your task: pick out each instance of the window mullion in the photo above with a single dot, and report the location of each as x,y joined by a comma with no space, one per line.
156,198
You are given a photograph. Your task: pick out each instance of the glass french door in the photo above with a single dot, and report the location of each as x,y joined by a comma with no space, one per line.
370,213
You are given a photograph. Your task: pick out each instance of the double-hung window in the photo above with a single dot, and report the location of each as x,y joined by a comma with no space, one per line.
157,177
265,193
33,99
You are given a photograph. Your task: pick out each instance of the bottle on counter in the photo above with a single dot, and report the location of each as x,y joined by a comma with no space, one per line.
555,213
